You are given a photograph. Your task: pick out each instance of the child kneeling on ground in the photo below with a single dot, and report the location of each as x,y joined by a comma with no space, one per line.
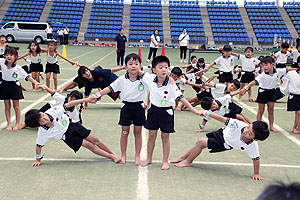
54,123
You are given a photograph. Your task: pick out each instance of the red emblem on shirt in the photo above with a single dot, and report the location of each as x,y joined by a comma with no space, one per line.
166,92
57,119
165,97
101,79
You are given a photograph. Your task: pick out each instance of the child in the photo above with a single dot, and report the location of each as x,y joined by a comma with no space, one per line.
55,124
217,90
279,190
3,45
282,55
36,66
267,82
237,135
222,106
248,67
133,93
296,54
226,62
10,88
161,115
52,64
98,78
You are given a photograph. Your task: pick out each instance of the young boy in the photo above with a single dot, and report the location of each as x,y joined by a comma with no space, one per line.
217,90
296,55
226,62
267,82
222,106
161,115
236,135
55,124
133,93
282,55
3,45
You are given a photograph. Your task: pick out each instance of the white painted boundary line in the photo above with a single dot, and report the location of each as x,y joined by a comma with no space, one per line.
284,132
142,191
154,161
4,124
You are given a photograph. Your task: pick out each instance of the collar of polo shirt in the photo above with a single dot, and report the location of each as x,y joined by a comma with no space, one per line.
51,119
165,83
274,71
127,76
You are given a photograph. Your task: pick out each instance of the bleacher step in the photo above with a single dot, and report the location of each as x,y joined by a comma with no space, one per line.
288,22
46,11
126,19
248,26
4,7
207,25
85,20
166,24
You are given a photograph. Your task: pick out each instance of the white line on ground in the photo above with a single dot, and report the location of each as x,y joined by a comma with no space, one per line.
4,124
284,132
142,191
154,161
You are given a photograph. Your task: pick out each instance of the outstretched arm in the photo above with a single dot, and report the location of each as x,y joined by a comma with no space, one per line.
235,54
21,57
188,105
256,164
116,69
247,87
38,157
90,99
212,115
70,61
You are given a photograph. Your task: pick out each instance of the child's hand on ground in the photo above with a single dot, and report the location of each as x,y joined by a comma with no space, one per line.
36,163
199,130
178,108
257,177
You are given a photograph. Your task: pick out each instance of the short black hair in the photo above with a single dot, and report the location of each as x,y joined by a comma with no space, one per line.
2,36
32,118
201,60
160,59
38,49
249,48
267,59
227,47
177,71
134,56
11,50
260,130
193,57
206,103
76,94
298,59
285,45
236,83
281,191
121,29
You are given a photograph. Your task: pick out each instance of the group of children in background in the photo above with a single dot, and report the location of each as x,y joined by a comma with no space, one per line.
59,118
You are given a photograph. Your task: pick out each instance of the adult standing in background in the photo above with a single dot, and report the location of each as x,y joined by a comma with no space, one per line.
184,39
298,41
49,32
61,36
121,47
155,39
66,35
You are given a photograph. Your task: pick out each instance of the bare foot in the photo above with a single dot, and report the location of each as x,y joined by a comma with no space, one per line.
60,91
26,89
240,100
55,90
23,125
177,160
123,160
137,161
165,166
17,127
116,158
183,164
178,108
252,100
295,131
146,163
9,127
198,131
273,129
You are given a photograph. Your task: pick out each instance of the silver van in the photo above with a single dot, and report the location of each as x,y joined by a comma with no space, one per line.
24,31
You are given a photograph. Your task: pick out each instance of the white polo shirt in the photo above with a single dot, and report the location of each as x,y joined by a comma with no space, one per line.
182,82
183,39
267,81
296,54
294,82
156,40
233,137
61,123
49,30
226,64
248,64
60,100
281,58
15,73
162,96
218,91
147,69
130,91
66,31
223,103
60,32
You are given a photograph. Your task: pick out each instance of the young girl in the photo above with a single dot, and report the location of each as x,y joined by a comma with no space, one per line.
36,66
52,64
3,44
10,88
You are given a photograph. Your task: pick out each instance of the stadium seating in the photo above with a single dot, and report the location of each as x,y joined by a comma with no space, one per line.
186,15
23,10
266,21
226,22
293,10
145,17
105,20
66,13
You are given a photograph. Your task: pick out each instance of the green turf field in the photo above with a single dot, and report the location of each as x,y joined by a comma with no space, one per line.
66,175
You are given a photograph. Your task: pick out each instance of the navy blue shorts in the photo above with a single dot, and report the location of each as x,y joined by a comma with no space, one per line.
132,113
